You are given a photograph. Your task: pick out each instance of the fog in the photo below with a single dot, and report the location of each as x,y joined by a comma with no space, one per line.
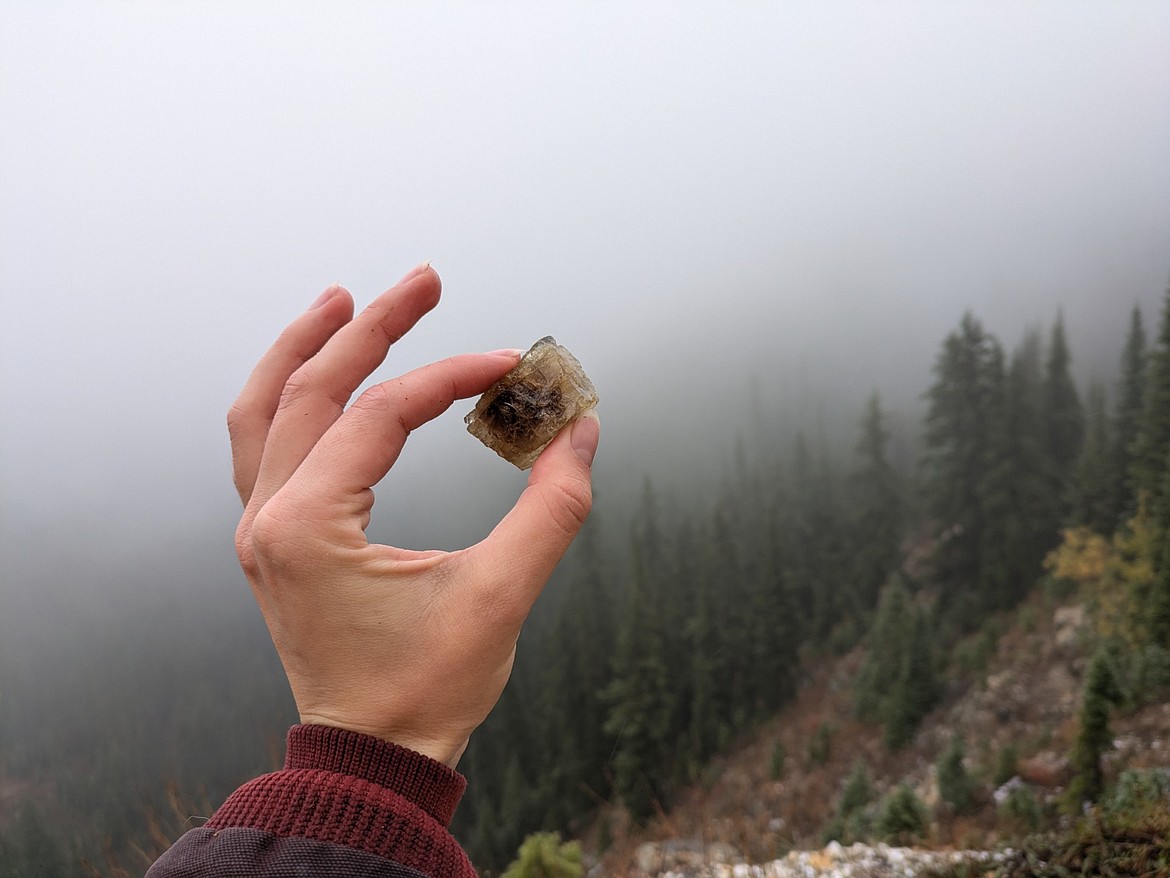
696,199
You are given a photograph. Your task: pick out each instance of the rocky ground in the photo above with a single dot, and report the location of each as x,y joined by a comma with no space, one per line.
833,861
1024,695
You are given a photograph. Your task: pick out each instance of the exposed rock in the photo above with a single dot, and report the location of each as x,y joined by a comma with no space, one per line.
1046,769
833,861
522,412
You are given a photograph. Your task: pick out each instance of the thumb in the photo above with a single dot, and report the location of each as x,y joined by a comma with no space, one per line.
522,550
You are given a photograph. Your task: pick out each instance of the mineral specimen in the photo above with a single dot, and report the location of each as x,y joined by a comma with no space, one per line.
523,411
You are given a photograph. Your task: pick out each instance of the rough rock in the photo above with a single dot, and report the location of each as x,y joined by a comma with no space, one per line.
523,412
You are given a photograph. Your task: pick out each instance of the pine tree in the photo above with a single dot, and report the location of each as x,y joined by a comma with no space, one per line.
1127,419
877,508
1093,486
916,688
640,701
709,712
888,637
1153,441
857,793
964,408
1015,499
903,817
775,628
1158,602
1064,420
573,670
1093,735
955,785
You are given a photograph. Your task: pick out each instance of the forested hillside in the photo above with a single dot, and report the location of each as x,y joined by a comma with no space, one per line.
663,654
675,628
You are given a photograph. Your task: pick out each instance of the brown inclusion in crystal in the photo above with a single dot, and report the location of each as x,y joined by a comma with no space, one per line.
523,411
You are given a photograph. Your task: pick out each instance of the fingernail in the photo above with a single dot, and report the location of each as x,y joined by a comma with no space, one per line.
586,432
325,297
416,271
506,352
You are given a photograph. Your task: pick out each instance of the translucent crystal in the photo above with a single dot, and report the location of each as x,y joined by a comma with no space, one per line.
523,411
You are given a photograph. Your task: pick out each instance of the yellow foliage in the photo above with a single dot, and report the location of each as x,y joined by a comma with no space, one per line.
1081,557
1113,576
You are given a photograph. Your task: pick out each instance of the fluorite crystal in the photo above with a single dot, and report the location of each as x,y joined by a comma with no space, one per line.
523,411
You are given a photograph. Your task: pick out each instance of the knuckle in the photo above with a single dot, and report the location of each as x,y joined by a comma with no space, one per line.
297,387
378,406
569,501
274,536
245,550
237,418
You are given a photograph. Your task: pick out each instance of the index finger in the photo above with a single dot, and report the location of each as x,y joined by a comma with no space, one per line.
362,445
315,395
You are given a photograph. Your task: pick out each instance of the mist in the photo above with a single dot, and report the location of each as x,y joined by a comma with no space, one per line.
732,214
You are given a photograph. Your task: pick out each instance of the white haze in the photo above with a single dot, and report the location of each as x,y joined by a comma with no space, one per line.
693,197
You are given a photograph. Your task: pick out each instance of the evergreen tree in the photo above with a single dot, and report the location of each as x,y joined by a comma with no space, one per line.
639,699
709,726
883,666
1153,441
775,626
1093,735
1064,421
964,408
573,671
1127,419
1093,486
903,818
877,509
1158,602
916,688
857,793
955,785
30,849
1015,500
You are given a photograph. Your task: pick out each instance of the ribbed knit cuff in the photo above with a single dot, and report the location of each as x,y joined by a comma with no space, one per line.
358,791
430,785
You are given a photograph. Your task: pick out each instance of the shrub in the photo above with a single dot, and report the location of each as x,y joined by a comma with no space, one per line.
543,856
903,817
1136,791
1020,809
850,823
955,785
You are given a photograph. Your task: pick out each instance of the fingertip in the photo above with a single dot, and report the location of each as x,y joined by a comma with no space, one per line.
430,284
586,432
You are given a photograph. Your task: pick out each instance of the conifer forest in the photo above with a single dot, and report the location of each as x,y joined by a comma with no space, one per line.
673,629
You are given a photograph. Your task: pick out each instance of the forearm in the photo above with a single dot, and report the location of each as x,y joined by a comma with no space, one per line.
344,804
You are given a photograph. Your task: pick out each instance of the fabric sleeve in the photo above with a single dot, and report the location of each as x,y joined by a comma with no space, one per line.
344,804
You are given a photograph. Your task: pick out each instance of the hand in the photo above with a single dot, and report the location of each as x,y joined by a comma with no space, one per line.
412,647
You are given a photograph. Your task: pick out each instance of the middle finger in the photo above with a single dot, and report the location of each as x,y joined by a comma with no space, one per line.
316,394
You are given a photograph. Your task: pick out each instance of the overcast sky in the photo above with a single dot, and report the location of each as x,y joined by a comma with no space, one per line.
686,195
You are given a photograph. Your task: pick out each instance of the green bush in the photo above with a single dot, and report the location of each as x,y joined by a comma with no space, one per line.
543,856
850,823
1135,791
1021,810
902,818
955,785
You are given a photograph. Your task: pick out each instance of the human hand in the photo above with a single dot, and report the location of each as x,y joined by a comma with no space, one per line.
412,647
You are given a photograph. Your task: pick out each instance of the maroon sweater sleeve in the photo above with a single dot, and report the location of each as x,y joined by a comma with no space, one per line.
344,804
